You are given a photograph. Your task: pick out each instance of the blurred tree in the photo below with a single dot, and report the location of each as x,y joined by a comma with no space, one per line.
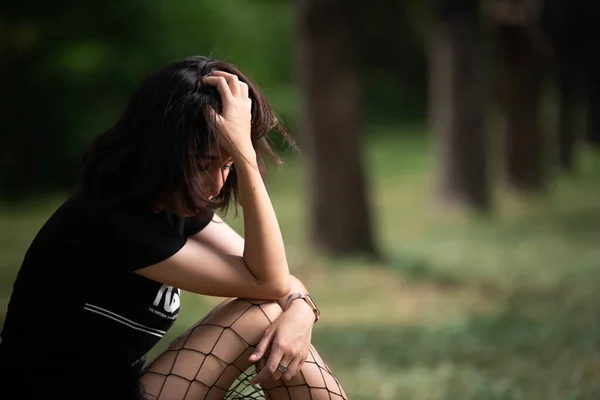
390,44
458,104
332,125
588,18
522,72
562,20
593,91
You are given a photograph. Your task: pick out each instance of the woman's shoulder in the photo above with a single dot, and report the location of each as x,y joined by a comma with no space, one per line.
83,216
79,210
105,221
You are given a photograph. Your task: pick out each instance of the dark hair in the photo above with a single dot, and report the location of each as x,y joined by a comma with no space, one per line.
155,148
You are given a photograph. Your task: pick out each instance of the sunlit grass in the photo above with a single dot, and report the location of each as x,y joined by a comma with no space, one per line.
505,307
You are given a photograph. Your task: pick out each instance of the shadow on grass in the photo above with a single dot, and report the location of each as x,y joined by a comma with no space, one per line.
534,347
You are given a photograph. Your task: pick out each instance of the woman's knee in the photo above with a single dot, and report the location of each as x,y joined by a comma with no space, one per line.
248,319
237,323
314,381
215,350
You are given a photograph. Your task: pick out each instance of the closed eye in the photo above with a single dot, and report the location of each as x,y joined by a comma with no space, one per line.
207,167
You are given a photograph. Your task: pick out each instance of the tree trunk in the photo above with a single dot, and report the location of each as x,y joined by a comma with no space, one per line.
562,23
331,127
458,100
593,94
520,100
570,89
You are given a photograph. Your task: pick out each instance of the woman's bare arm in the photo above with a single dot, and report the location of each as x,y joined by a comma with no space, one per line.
262,270
221,236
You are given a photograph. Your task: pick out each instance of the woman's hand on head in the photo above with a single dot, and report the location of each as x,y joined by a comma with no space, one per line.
234,123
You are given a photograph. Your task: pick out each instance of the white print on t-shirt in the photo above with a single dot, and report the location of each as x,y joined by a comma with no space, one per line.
171,302
122,320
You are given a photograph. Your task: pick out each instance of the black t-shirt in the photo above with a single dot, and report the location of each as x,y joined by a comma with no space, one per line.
78,310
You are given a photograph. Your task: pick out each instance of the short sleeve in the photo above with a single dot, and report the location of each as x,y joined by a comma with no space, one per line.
198,222
135,240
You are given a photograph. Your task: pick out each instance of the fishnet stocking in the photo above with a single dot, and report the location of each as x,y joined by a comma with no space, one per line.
210,361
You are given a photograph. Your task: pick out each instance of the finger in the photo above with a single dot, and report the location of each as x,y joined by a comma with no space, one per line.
244,90
300,365
245,94
221,84
270,368
214,117
262,346
232,80
292,370
284,362
260,365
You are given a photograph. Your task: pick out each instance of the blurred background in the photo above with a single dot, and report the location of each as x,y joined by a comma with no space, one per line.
444,210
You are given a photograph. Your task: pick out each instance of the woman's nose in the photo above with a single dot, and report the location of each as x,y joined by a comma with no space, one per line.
217,182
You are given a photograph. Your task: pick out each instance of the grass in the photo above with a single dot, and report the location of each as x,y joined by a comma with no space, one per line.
505,307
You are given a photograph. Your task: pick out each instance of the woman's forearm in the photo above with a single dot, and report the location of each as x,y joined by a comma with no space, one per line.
264,251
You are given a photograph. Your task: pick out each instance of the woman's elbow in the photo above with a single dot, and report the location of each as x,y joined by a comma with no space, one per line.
277,290
285,288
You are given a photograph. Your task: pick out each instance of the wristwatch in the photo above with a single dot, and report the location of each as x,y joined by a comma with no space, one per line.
306,297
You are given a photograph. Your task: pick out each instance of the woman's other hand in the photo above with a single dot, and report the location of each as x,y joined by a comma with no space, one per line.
287,341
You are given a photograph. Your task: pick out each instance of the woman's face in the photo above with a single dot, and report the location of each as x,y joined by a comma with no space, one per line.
214,170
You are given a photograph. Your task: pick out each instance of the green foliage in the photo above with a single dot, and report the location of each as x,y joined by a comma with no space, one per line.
70,67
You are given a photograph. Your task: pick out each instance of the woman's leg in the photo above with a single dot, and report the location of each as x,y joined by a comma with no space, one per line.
205,361
315,382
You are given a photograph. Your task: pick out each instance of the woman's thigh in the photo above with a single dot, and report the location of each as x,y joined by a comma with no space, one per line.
207,360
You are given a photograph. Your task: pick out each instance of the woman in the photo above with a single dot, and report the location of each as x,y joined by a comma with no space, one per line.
99,285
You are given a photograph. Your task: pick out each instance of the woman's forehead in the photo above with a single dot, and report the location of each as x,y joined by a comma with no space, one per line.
216,153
